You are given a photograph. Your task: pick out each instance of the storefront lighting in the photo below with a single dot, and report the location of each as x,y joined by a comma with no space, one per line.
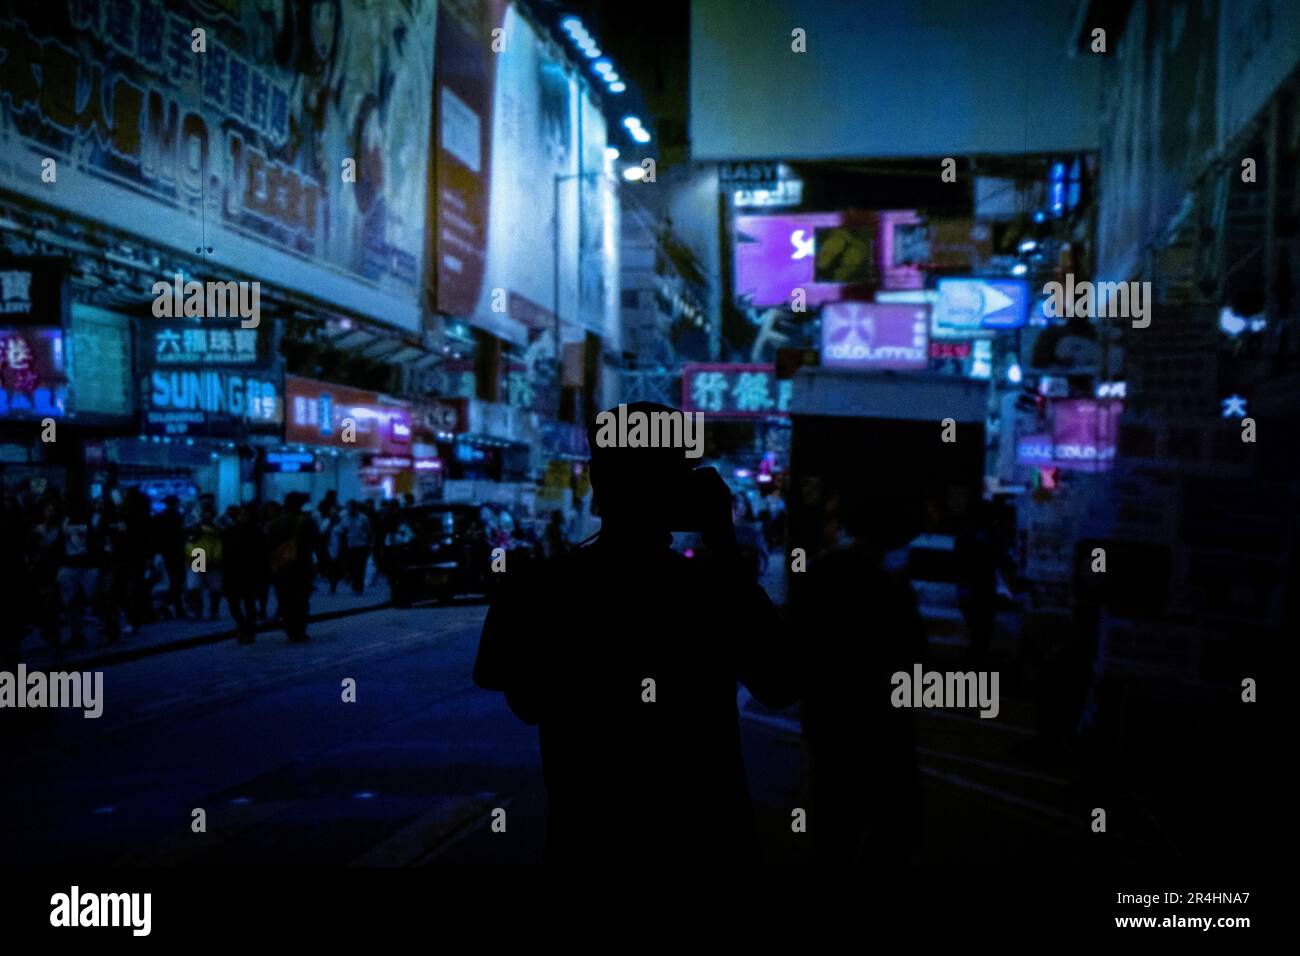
1014,375
1028,245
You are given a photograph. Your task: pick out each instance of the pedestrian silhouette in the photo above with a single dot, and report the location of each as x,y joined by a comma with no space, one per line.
291,540
859,624
639,773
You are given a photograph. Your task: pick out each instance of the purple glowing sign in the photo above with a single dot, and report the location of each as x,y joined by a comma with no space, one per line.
875,335
777,254
904,246
1082,436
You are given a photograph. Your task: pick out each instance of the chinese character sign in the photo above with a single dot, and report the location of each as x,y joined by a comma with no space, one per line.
210,343
735,391
33,376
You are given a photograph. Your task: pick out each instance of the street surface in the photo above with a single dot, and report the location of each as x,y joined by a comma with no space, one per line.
259,737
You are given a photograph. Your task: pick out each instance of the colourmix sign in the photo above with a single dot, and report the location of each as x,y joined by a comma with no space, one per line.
875,335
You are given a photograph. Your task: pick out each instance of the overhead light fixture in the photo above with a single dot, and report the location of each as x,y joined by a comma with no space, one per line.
612,152
571,24
632,122
633,173
612,77
603,67
640,135
618,87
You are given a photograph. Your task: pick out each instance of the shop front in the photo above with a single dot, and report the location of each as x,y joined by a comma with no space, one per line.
211,399
361,444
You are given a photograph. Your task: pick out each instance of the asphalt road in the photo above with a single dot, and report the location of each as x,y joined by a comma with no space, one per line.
286,772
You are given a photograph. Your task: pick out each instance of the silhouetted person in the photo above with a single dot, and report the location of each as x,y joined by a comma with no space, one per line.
15,584
169,541
980,555
858,624
574,642
291,539
355,538
245,552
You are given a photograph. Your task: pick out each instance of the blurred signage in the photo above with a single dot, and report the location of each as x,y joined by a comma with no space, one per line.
748,175
825,254
445,416
958,245
904,248
212,403
33,290
1082,436
463,67
99,363
735,391
389,464
141,127
874,335
214,342
950,350
534,165
970,304
291,462
318,413
787,192
33,376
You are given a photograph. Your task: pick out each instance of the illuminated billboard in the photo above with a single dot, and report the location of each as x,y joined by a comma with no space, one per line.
243,144
735,391
874,335
970,303
1082,437
824,253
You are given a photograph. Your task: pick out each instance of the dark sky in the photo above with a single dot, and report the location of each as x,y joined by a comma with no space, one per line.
649,45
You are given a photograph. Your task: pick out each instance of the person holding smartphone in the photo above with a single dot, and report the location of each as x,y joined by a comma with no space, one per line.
626,656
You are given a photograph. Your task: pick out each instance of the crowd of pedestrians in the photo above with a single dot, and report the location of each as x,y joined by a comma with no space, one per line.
123,564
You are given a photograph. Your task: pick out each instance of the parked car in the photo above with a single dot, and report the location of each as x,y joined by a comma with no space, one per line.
449,553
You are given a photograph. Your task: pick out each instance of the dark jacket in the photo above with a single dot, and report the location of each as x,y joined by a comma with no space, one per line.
571,643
